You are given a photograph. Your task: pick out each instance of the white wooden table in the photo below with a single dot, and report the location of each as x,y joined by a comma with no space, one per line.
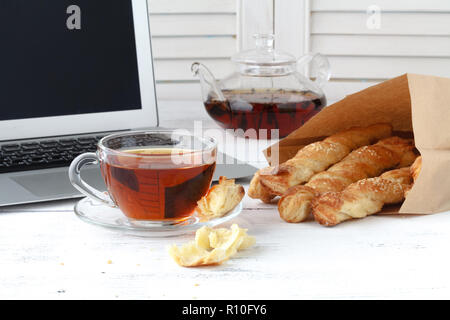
46,252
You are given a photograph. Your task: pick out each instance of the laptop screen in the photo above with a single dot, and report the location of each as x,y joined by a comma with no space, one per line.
67,57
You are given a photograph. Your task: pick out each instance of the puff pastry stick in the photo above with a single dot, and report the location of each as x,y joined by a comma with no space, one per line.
362,198
318,156
415,171
220,199
416,167
256,190
365,162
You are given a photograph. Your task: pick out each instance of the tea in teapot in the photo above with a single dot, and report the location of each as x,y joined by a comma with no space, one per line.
266,92
258,109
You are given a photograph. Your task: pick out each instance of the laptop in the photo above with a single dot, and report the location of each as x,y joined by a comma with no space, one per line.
72,72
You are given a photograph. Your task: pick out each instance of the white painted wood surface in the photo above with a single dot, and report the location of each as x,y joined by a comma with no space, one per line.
188,31
46,252
385,5
358,45
191,6
410,36
349,67
193,47
292,26
391,23
193,24
367,41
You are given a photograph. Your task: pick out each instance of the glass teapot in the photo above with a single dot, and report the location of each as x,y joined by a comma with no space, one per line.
266,92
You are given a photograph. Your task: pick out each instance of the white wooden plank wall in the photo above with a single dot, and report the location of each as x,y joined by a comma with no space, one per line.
409,36
413,36
187,31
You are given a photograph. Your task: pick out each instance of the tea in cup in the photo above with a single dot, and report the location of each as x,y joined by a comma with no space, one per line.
155,176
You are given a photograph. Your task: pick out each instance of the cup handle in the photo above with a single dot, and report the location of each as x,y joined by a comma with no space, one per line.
323,67
83,187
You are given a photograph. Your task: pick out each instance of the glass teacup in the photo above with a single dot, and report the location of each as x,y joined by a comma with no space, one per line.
152,176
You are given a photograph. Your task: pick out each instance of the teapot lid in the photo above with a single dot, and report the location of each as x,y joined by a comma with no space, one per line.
264,54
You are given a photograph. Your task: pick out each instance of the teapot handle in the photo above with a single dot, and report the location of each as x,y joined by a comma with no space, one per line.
323,67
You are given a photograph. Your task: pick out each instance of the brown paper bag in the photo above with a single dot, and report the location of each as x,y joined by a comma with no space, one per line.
417,106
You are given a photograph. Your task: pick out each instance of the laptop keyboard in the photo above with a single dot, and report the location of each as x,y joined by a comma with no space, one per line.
44,154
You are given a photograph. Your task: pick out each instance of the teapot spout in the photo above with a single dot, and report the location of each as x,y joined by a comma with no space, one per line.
208,82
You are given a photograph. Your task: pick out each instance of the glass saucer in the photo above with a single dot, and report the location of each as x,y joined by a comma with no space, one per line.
99,214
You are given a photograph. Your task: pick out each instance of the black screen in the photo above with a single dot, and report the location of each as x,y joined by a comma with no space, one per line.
65,57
